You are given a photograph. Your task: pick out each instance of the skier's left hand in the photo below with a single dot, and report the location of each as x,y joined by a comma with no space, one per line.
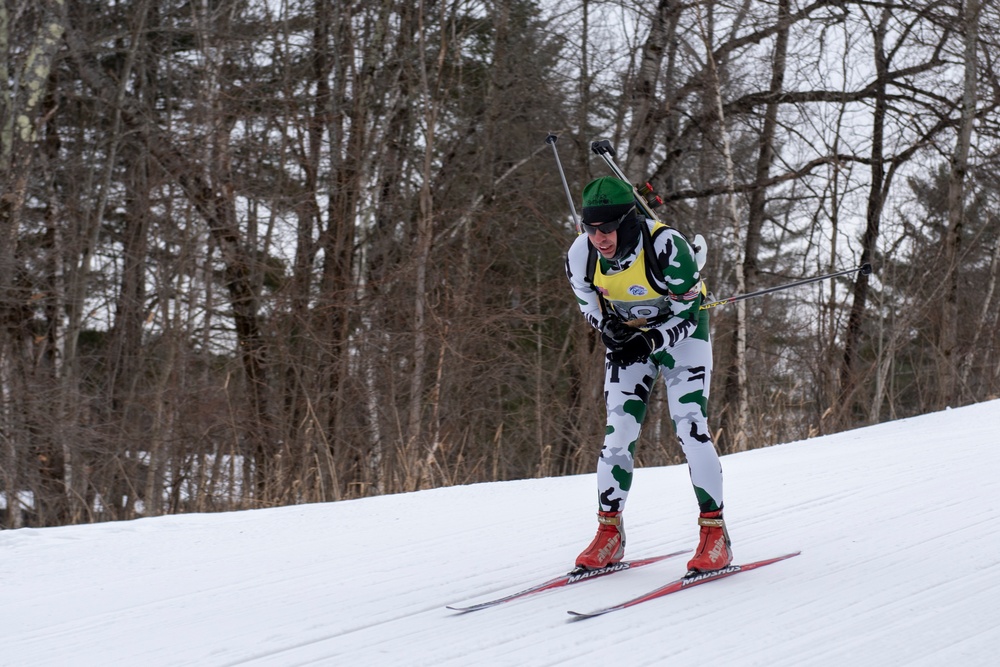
615,333
637,348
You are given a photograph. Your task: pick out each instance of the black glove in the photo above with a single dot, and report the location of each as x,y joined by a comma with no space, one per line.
637,348
614,333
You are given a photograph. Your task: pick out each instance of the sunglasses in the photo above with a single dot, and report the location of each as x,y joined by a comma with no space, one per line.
608,226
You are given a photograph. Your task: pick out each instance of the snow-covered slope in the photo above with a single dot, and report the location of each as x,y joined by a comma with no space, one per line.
900,565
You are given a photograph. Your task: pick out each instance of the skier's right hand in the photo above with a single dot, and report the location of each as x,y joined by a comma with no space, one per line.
615,333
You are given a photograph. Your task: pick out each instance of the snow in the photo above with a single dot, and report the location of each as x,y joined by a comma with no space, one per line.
897,524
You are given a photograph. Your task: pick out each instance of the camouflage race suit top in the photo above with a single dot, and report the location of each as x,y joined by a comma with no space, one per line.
630,289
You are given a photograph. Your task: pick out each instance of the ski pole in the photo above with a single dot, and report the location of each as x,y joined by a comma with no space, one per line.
551,140
865,269
607,153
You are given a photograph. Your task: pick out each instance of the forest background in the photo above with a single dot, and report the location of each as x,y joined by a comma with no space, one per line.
263,252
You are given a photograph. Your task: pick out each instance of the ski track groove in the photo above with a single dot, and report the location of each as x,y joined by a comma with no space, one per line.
264,657
520,630
916,606
986,639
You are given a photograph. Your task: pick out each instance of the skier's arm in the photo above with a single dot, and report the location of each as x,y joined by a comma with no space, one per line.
586,296
677,259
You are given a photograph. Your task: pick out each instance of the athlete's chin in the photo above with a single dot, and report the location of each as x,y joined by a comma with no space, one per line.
607,253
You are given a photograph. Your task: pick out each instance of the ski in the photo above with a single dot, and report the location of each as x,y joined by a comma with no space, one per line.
573,577
687,581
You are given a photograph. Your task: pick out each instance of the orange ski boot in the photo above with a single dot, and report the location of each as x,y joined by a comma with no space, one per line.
714,552
608,546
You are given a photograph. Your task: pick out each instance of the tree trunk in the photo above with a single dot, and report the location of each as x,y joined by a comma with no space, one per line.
21,113
646,107
850,380
757,212
735,419
948,361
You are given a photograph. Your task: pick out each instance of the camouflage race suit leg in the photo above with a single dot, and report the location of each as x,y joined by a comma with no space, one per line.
687,371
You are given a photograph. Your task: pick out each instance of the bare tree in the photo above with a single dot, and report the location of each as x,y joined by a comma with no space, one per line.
23,111
949,366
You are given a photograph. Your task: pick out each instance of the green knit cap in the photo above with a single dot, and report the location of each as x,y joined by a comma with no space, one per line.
606,198
606,191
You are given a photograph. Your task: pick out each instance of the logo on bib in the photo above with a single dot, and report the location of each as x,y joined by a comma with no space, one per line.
637,290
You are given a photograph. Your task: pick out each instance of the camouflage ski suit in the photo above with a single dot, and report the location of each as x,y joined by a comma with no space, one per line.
667,292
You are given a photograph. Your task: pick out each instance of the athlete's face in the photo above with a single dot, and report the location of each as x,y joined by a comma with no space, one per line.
604,235
605,242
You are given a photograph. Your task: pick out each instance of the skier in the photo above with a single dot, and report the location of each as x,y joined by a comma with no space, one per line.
637,281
